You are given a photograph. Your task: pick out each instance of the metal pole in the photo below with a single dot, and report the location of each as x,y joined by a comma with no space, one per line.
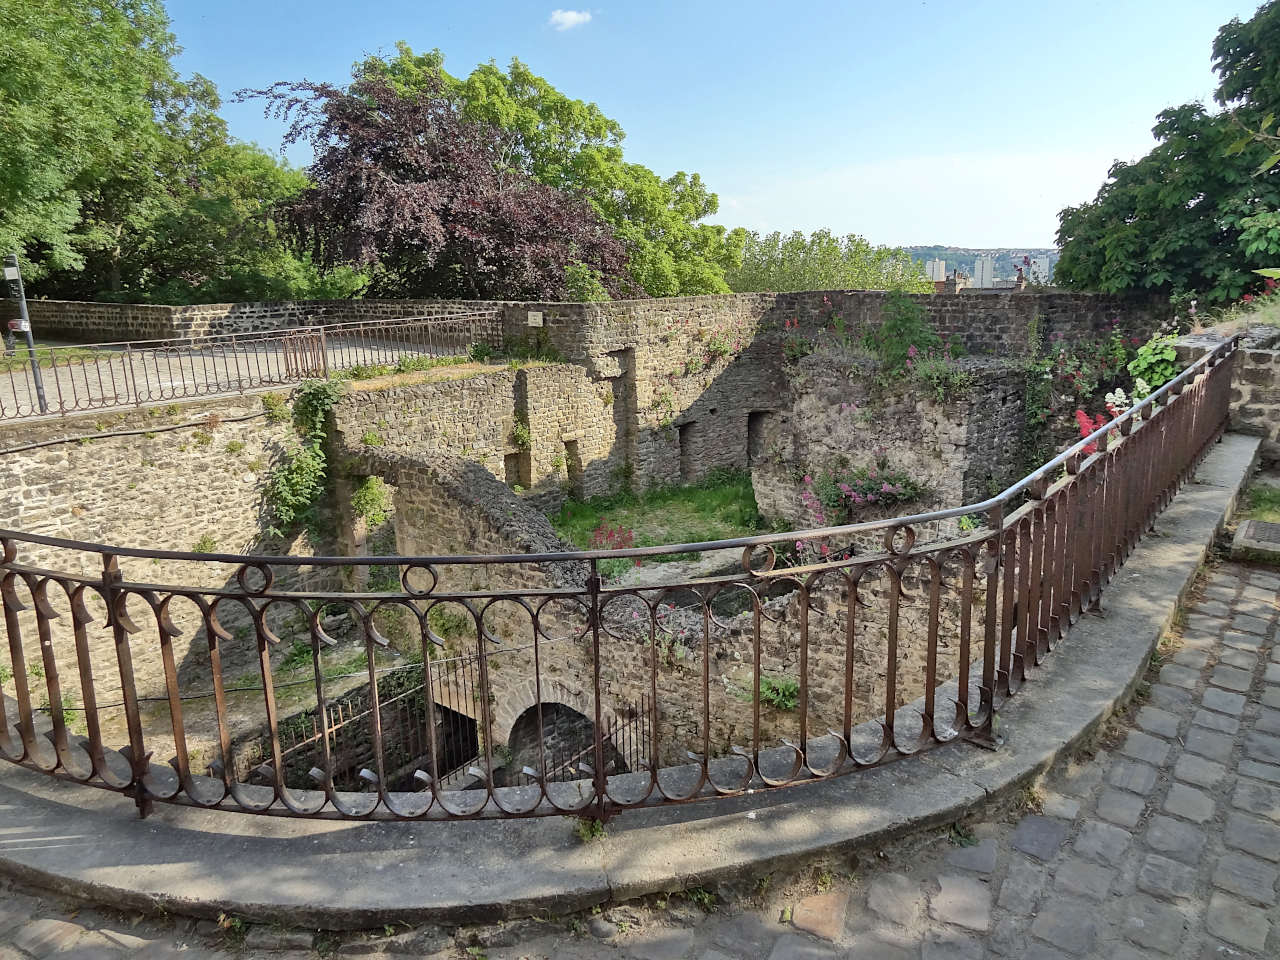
13,277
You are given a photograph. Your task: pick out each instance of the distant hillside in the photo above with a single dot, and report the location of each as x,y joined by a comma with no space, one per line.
1006,258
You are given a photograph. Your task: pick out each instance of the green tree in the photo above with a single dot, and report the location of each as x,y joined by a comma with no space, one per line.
821,261
1194,214
571,145
80,85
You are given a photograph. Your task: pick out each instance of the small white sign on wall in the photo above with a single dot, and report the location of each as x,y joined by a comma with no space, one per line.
535,318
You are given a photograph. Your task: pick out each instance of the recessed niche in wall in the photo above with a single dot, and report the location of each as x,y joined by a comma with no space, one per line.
757,421
686,433
573,467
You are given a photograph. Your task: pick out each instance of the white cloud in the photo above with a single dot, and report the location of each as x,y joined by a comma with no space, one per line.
568,19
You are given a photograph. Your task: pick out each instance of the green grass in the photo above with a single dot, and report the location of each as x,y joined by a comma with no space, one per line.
21,360
1264,504
720,507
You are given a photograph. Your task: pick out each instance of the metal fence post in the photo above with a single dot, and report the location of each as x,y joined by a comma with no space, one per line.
13,276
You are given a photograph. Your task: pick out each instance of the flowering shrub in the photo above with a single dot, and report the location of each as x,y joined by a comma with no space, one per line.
794,345
833,496
1087,426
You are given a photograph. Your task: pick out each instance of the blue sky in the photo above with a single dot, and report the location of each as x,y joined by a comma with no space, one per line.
965,123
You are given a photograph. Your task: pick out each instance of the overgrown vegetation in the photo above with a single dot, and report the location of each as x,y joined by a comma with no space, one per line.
1196,215
1264,503
371,501
294,487
719,507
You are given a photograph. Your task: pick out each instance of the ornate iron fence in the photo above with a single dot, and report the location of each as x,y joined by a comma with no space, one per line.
761,678
103,375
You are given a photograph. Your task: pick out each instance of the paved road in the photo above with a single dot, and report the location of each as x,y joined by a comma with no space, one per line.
1164,843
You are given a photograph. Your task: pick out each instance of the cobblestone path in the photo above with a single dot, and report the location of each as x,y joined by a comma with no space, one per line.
1165,842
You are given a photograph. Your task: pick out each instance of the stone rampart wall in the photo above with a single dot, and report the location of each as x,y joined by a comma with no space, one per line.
995,324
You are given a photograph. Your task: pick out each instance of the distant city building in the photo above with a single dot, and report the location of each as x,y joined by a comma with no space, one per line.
1041,270
936,270
984,272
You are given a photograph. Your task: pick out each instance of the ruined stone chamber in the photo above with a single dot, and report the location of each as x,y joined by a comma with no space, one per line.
439,655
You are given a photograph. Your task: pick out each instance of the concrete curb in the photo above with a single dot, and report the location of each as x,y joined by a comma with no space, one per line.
349,875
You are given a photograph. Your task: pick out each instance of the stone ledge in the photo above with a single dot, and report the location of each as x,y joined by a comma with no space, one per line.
346,875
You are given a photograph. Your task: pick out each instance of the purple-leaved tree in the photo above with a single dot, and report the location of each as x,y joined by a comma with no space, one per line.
431,203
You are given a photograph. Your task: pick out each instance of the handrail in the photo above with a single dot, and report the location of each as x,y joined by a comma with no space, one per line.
1072,453
863,659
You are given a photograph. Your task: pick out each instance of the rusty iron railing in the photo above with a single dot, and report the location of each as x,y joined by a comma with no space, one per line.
134,373
763,677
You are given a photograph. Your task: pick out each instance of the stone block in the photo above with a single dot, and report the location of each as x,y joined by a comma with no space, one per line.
1022,885
1257,797
1176,675
1102,842
1262,747
1157,721
1216,721
1237,922
895,897
1246,876
1198,770
1084,878
822,915
1231,678
1146,748
1120,807
963,901
47,937
1165,878
792,946
1152,924
1188,803
1259,771
1179,840
1132,776
1214,746
1222,701
1253,835
1070,925
1039,837
981,857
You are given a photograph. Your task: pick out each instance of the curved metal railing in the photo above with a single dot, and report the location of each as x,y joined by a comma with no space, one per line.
760,677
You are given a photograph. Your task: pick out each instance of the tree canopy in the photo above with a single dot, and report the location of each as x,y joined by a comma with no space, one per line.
572,146
430,201
117,177
1197,214
821,261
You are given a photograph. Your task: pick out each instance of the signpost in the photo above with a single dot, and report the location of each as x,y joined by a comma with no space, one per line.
13,281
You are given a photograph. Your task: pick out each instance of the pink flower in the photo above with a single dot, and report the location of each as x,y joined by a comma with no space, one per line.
912,351
807,478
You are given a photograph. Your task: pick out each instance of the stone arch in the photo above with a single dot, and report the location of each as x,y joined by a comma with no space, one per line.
516,701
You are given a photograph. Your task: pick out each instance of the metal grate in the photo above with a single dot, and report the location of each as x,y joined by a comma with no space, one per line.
1263,532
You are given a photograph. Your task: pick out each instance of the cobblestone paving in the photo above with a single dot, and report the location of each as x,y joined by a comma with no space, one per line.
1164,843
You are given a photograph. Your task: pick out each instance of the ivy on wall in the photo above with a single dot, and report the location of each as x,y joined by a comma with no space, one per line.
294,488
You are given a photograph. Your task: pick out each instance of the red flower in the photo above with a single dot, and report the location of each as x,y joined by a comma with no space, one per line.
1247,298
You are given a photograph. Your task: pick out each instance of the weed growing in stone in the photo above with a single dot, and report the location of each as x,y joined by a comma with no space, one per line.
780,692
701,897
370,501
588,829
206,544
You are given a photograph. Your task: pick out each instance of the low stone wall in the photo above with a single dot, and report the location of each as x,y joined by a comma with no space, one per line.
993,324
835,414
1255,383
